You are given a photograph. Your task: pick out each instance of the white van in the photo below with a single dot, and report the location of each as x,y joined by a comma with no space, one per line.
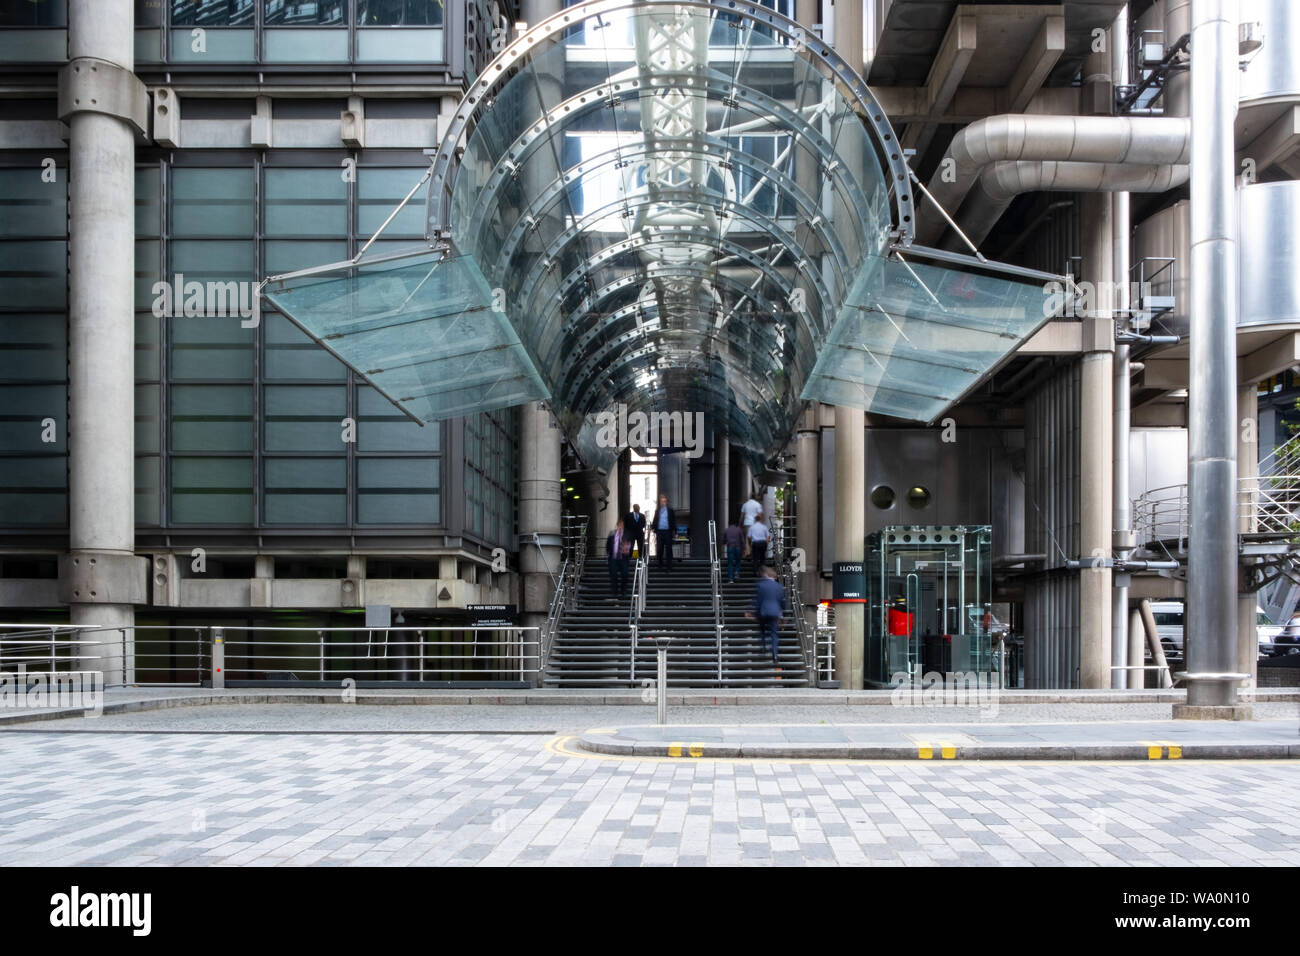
1169,625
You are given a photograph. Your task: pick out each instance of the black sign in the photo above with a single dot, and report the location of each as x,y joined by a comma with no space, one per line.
493,615
849,582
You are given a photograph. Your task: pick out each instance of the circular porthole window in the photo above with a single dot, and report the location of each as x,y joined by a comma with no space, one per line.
918,497
882,496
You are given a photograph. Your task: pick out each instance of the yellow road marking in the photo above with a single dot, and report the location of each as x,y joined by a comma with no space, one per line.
697,750
559,746
674,750
1155,751
949,751
925,752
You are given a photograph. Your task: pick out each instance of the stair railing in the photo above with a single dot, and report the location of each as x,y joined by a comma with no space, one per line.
635,611
715,582
790,578
566,585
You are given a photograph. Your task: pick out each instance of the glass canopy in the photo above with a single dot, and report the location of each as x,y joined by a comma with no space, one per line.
689,206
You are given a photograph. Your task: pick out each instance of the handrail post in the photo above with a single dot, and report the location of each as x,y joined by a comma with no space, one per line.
218,658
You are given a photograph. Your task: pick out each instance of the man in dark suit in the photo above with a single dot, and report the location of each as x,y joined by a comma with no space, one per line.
617,547
634,522
664,526
769,608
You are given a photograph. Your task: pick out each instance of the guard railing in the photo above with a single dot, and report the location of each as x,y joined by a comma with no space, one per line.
715,582
635,610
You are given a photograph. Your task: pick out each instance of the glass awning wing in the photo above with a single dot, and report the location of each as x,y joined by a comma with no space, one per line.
912,338
422,330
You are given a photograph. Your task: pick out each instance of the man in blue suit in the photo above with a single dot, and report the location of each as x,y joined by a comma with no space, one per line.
769,608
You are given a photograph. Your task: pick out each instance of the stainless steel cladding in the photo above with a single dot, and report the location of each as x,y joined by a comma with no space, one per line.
1269,240
1273,71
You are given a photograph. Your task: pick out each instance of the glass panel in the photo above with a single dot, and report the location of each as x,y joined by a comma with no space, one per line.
25,13
212,418
398,491
914,337
32,205
401,46
212,13
381,426
33,347
148,13
379,190
34,274
33,491
148,491
402,13
212,202
306,490
306,202
305,46
212,490
212,46
305,12
424,333
290,355
300,418
148,419
33,414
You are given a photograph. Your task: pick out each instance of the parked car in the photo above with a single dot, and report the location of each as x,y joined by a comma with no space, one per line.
1268,633
1287,641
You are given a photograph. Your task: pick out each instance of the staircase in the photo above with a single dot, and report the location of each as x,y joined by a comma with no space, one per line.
1269,517
592,646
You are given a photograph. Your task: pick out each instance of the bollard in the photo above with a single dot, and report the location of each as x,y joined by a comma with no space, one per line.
218,659
661,688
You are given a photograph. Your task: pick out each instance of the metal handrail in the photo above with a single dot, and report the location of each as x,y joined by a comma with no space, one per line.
635,610
566,588
715,583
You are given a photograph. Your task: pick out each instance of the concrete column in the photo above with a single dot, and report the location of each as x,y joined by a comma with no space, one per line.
807,508
1096,451
1136,650
540,540
721,482
806,13
700,474
1247,473
102,578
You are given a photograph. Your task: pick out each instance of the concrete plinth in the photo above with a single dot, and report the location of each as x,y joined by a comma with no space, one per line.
1213,712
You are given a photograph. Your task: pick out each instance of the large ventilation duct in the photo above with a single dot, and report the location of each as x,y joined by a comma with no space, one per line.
1001,183
1115,140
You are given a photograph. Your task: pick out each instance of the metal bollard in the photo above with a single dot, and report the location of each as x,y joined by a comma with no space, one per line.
218,659
661,687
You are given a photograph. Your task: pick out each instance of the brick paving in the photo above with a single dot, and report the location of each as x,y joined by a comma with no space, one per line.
481,799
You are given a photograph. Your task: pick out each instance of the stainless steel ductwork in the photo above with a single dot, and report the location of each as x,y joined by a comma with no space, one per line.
1001,183
1101,140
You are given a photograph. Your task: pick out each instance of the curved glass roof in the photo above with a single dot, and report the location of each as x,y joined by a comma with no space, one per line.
689,206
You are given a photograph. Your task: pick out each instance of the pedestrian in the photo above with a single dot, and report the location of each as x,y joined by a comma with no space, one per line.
769,608
617,548
634,522
750,511
733,538
664,525
758,536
